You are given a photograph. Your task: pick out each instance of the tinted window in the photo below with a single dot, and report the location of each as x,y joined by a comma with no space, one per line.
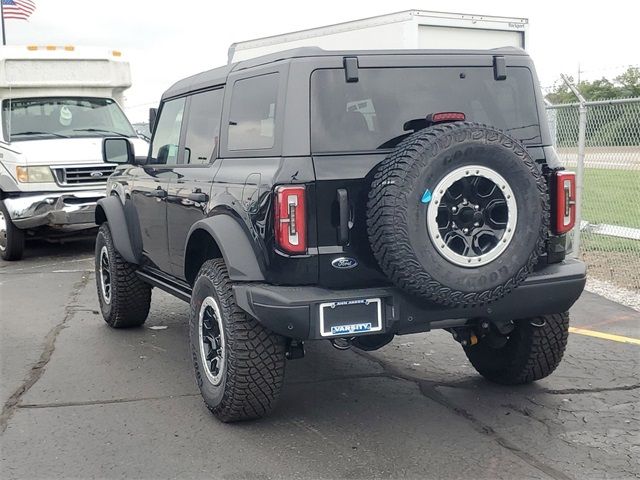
164,148
203,127
253,113
371,113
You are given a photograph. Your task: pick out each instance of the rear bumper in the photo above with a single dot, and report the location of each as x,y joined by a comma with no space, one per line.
54,209
294,311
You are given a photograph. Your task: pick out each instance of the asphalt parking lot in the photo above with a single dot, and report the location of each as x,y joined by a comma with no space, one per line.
83,401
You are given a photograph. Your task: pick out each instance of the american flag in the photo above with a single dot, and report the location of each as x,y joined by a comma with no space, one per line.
17,9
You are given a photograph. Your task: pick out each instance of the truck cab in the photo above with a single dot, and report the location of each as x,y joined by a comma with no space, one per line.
56,105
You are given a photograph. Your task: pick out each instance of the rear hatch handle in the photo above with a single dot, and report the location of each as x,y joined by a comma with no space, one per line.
343,209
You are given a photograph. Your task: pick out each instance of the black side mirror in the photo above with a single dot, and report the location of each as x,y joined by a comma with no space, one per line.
153,114
117,150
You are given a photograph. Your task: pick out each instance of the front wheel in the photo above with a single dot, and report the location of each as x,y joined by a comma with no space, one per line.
124,298
11,237
530,352
239,364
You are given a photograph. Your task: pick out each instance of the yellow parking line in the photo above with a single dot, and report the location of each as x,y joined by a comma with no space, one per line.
605,336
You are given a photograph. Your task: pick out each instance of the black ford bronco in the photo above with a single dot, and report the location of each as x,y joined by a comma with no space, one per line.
348,196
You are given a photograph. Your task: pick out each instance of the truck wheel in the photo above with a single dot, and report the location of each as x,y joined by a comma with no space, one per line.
11,237
458,214
124,298
239,364
530,352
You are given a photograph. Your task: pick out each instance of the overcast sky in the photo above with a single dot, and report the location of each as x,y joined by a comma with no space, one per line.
167,40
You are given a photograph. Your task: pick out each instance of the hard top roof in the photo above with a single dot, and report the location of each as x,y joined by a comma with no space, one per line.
218,76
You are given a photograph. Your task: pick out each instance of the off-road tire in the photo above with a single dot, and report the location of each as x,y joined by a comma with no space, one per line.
533,351
14,248
397,214
253,372
130,297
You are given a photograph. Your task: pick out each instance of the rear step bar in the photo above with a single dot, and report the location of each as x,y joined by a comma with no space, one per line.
175,288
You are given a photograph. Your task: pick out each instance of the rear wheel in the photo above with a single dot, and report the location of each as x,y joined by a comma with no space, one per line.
124,298
11,237
531,351
239,364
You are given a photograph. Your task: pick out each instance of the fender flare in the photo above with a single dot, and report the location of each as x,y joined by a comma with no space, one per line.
242,261
111,210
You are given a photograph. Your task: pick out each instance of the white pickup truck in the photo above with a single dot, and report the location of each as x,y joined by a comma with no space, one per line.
56,106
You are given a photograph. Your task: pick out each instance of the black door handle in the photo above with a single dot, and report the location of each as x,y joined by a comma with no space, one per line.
158,193
198,197
343,208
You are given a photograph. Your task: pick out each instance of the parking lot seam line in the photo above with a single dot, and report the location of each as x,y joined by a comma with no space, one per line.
429,390
37,370
30,267
577,391
89,403
340,378
604,336
43,272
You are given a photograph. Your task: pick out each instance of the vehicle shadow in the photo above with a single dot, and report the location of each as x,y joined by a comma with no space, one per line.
59,251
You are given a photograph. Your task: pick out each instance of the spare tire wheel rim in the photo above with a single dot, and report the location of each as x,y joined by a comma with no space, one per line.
211,340
471,216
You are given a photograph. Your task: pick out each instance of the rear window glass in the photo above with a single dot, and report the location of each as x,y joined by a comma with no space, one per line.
371,114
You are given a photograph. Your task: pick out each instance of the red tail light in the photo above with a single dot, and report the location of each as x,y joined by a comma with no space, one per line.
565,201
442,117
291,219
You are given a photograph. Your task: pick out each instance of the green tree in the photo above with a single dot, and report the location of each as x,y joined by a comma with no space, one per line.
607,125
629,82
625,85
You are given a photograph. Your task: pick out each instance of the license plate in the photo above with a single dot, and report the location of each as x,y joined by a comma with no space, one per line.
350,317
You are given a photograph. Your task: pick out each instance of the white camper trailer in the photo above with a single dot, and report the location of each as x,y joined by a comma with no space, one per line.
412,29
56,106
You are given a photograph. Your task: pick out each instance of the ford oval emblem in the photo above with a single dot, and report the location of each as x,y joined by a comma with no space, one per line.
97,174
344,263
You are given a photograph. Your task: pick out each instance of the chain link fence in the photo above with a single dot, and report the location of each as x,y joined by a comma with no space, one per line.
610,225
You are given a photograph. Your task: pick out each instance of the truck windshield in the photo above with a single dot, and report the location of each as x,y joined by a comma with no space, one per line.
370,114
63,117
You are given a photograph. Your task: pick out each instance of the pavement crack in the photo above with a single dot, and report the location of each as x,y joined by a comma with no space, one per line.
37,370
577,391
103,402
429,389
339,378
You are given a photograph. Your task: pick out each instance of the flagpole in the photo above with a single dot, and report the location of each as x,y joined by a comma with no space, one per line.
4,37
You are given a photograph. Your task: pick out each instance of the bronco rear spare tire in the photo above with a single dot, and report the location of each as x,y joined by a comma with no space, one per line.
458,214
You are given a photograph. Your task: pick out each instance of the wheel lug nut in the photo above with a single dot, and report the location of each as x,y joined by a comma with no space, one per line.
477,224
465,230
454,209
464,201
476,207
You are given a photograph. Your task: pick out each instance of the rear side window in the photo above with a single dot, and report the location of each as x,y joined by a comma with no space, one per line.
203,129
253,113
373,113
164,147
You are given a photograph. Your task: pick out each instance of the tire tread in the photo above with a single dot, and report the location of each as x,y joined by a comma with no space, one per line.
130,296
255,355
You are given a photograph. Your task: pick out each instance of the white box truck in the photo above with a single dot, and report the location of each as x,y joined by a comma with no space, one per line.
412,29
56,106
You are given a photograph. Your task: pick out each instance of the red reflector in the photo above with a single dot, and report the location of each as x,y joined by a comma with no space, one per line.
291,219
565,201
447,117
